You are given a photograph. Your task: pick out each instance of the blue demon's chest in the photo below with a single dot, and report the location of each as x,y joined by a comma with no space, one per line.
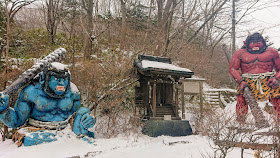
50,109
42,103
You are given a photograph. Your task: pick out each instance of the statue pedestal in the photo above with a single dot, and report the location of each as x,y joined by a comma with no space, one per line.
156,128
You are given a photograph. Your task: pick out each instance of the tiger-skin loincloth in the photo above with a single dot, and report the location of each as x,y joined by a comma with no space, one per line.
264,92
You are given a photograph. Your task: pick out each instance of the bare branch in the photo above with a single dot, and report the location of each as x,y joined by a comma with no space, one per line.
206,21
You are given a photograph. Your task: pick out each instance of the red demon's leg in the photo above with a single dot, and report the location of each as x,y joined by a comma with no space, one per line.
276,105
241,109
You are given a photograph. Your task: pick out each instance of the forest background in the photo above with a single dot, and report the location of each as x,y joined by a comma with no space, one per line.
104,37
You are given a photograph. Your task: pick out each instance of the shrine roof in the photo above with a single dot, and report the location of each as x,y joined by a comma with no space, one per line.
148,65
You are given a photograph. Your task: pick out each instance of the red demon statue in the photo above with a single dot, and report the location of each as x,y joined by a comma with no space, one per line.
256,66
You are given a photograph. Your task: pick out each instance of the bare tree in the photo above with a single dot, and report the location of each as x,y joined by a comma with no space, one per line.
207,19
123,30
7,54
87,5
13,7
53,17
2,31
16,5
96,7
165,15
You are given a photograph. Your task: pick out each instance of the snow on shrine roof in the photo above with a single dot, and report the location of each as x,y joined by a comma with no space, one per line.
159,65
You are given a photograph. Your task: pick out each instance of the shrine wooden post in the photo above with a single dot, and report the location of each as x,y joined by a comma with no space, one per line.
192,86
176,99
154,99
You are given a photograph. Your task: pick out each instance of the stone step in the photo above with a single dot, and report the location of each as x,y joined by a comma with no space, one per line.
164,109
165,113
161,118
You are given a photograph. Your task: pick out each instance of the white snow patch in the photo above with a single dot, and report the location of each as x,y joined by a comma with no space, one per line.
14,67
94,56
74,88
58,66
161,65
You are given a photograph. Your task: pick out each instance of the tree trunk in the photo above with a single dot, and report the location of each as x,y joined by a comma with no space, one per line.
50,20
88,37
183,20
53,18
159,28
165,16
123,30
96,8
233,27
160,8
168,26
7,61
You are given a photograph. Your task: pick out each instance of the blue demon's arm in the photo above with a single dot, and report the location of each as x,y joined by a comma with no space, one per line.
16,117
83,120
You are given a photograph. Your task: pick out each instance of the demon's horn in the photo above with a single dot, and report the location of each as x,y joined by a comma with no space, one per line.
249,33
262,32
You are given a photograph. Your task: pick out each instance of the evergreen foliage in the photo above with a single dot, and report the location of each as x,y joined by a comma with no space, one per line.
33,43
137,16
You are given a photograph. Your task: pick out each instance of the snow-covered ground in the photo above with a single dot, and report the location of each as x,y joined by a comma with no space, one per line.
193,146
132,146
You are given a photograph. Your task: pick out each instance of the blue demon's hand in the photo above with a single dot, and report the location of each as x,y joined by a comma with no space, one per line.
4,100
87,121
83,121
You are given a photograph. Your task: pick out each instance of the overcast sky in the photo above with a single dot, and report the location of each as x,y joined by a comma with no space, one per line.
270,21
267,18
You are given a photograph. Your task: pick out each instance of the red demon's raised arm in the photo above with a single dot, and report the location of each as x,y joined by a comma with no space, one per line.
235,65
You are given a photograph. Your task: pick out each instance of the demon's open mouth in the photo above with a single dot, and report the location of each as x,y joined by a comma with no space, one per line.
60,88
256,48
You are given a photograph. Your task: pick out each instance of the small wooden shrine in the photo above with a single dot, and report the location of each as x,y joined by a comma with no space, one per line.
157,95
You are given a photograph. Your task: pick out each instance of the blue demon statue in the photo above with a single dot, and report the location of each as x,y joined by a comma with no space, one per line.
48,103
